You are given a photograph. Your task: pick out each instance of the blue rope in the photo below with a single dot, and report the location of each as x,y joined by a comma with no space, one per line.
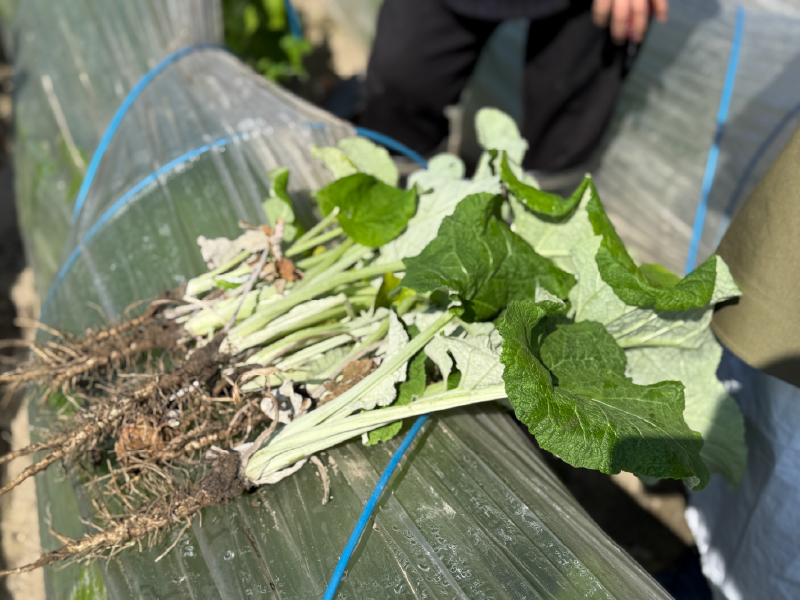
393,144
294,19
88,178
713,153
748,171
114,208
370,507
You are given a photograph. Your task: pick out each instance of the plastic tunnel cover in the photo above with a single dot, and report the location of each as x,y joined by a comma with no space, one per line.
473,511
74,63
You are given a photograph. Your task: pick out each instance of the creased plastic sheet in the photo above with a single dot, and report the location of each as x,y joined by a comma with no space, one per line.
191,157
74,62
472,513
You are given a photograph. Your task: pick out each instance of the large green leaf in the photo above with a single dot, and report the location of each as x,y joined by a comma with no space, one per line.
497,133
442,192
371,212
370,158
594,300
555,238
482,261
657,289
710,410
596,417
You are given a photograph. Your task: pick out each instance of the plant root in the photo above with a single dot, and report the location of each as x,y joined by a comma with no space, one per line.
220,485
60,364
103,419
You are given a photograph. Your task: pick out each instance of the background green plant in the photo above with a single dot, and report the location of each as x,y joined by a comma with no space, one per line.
258,31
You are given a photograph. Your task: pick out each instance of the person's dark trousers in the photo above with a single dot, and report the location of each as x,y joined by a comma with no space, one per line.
424,53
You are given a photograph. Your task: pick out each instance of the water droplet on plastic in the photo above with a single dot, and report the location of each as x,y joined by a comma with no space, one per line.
228,555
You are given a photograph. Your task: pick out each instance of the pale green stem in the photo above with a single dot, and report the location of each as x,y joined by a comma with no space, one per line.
351,331
316,228
207,321
270,353
310,262
262,317
285,451
379,334
313,242
328,269
343,402
268,334
329,258
298,359
205,282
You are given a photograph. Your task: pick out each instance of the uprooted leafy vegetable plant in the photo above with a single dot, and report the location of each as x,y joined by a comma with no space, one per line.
399,302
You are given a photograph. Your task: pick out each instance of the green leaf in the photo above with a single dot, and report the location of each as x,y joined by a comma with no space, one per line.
442,169
276,14
279,181
432,210
497,131
279,204
371,159
251,20
385,392
413,387
659,276
555,238
632,287
709,409
583,352
358,155
594,300
275,209
335,160
596,417
551,205
476,350
482,261
371,212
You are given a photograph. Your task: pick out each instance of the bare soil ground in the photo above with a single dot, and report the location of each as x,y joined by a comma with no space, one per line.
19,521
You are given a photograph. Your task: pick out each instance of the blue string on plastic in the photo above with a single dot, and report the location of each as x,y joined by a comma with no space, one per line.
361,525
392,144
114,208
713,153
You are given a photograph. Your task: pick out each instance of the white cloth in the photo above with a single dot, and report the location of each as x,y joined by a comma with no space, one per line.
749,539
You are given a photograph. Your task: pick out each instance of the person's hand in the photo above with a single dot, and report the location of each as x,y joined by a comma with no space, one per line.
627,19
